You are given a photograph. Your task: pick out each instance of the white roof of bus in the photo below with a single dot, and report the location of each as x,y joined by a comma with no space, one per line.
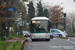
38,18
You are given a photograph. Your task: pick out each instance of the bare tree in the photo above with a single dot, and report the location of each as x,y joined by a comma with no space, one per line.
56,15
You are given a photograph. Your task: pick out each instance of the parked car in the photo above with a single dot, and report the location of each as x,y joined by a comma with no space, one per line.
57,32
26,33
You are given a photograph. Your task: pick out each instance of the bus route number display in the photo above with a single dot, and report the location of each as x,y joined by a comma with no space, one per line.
35,21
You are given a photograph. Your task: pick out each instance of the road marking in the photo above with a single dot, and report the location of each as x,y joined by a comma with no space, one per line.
71,41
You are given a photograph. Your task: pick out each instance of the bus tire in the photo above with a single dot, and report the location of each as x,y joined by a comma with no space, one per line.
33,39
48,39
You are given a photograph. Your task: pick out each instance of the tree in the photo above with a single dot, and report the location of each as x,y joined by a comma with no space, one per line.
2,19
57,15
46,13
25,0
31,10
39,9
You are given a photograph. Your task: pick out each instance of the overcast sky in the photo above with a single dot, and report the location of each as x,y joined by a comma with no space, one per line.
69,5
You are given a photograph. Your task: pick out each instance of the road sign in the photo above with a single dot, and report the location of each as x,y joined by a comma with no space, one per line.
21,23
18,15
10,9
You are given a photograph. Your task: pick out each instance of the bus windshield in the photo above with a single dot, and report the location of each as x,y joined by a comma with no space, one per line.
39,26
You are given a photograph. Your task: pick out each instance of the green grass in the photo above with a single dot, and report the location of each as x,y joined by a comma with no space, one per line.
9,37
71,35
15,36
2,44
16,47
20,36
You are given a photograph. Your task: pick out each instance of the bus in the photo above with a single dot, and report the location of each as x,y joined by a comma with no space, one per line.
40,28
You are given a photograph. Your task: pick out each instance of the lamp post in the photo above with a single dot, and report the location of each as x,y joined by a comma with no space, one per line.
21,26
6,31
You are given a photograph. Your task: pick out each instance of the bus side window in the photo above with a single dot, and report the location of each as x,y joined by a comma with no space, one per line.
49,26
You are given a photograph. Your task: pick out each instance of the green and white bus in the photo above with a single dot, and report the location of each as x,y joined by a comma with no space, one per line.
40,28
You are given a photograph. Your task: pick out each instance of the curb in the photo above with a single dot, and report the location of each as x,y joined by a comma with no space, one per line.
64,38
22,48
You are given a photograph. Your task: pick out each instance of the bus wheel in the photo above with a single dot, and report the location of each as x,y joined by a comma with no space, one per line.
33,39
48,39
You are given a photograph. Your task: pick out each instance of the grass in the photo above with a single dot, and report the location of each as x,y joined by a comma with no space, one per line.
15,36
20,36
9,37
2,44
71,35
14,46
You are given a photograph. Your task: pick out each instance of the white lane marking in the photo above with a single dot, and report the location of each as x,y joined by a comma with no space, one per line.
71,41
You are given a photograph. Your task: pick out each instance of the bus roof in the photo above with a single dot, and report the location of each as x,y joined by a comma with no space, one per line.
40,18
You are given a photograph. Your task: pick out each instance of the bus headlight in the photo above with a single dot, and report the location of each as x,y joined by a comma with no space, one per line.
24,34
33,35
28,34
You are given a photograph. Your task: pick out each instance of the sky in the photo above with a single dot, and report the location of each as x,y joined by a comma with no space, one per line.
69,5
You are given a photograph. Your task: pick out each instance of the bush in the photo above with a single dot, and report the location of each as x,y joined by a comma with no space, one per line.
10,37
2,44
20,36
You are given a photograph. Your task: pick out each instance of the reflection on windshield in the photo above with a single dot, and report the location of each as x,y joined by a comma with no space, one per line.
40,27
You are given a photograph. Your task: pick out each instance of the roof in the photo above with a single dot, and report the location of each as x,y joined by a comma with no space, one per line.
57,29
40,18
25,32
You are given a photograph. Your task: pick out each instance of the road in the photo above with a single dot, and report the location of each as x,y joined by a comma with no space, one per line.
53,44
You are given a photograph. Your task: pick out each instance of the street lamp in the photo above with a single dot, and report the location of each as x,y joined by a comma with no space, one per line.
6,31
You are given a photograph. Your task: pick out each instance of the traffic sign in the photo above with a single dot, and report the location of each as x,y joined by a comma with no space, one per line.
18,15
21,23
10,9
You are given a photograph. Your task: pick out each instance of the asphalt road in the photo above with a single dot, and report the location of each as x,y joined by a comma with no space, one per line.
53,44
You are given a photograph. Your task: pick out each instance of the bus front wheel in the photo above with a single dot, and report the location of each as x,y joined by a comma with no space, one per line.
33,39
48,39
